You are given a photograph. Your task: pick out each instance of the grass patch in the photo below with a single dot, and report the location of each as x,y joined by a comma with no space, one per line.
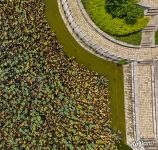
134,39
115,27
113,72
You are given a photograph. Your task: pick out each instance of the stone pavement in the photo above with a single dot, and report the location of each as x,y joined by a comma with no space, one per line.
145,97
140,75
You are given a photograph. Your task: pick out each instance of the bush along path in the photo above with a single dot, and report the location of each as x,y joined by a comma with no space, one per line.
47,101
127,10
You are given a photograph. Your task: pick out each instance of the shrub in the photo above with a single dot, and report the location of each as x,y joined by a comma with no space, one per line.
122,62
126,9
106,22
133,14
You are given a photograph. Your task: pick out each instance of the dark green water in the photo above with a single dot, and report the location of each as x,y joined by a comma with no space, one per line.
113,72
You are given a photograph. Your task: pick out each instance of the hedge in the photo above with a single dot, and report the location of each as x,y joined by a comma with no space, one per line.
105,21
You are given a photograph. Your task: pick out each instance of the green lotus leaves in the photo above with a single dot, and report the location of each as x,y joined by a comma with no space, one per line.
48,100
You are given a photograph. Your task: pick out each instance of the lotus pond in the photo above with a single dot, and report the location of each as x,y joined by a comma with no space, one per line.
110,70
47,100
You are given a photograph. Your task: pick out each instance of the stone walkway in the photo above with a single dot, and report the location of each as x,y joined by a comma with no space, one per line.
140,76
142,101
145,97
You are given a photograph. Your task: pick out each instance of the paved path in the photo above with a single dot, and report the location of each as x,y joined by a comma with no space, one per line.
145,97
141,104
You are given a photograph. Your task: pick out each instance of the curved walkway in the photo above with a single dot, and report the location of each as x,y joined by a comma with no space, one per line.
117,50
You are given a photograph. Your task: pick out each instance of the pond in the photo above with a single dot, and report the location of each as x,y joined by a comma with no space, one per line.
110,70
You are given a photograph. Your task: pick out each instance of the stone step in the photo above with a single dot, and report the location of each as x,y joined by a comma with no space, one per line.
146,44
150,28
152,11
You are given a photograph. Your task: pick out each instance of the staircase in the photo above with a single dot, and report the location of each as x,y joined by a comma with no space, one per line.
150,28
146,44
148,37
148,33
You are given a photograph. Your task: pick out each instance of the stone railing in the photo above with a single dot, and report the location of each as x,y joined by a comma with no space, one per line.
95,47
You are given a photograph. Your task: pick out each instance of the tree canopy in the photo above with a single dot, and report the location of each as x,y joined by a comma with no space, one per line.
127,9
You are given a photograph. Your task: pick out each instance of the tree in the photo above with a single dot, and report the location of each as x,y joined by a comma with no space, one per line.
126,9
133,14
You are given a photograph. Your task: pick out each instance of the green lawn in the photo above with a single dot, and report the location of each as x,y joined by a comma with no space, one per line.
134,39
108,69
